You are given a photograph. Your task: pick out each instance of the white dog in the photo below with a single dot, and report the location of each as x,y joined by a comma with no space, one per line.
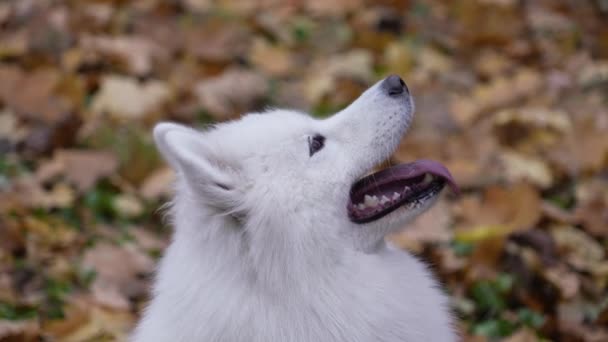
278,238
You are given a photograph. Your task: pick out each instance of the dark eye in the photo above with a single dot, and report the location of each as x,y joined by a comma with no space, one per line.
315,143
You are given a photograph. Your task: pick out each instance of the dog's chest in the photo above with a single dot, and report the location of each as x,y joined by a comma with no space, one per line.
333,312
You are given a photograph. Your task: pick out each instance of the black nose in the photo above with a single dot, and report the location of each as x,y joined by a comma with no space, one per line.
394,85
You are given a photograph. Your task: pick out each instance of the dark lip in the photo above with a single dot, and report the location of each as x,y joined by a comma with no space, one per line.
393,179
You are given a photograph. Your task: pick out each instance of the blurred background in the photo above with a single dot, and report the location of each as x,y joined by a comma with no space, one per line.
512,95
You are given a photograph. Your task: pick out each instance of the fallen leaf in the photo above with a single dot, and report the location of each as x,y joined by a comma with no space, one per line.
399,58
236,91
530,127
126,99
522,335
567,282
84,168
34,95
519,167
218,40
198,5
148,240
273,60
429,64
592,206
491,63
594,73
501,211
482,232
127,205
9,127
332,8
118,270
158,183
86,321
104,324
355,64
433,226
580,250
498,93
137,52
24,331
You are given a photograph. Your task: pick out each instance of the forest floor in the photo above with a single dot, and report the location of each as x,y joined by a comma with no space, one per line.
511,95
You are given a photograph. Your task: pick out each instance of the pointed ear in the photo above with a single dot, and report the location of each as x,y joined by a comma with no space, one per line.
188,153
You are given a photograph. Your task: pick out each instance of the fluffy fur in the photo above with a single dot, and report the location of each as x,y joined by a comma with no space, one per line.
263,249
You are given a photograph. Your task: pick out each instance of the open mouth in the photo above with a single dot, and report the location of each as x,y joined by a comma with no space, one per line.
411,184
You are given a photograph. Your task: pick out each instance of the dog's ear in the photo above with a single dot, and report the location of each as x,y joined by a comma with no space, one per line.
189,154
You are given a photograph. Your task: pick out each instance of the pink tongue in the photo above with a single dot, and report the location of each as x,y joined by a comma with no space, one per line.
415,169
422,166
404,172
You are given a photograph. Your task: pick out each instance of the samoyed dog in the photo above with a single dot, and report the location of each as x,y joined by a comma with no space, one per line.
280,234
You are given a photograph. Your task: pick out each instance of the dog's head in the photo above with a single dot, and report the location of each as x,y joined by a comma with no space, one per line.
284,173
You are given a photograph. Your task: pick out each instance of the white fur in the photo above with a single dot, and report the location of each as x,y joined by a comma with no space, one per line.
263,249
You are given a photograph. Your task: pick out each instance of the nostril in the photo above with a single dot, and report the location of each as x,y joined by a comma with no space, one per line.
394,85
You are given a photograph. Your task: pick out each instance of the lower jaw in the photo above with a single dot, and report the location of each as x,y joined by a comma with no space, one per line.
414,202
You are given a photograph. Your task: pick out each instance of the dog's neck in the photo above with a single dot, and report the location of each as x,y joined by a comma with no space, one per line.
273,257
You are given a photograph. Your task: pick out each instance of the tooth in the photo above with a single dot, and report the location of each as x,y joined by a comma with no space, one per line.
428,178
406,188
384,200
361,206
371,201
395,196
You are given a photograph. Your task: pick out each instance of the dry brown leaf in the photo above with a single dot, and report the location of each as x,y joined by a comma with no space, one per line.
398,58
24,331
77,312
491,63
501,211
567,282
332,8
355,64
84,168
60,196
592,206
522,335
198,5
127,205
51,233
485,258
9,127
433,226
148,240
558,214
467,172
535,117
594,216
580,250
118,270
137,52
218,40
499,92
571,316
126,99
85,321
234,92
158,183
430,63
501,21
518,167
271,59
34,95
594,73
104,324
531,128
